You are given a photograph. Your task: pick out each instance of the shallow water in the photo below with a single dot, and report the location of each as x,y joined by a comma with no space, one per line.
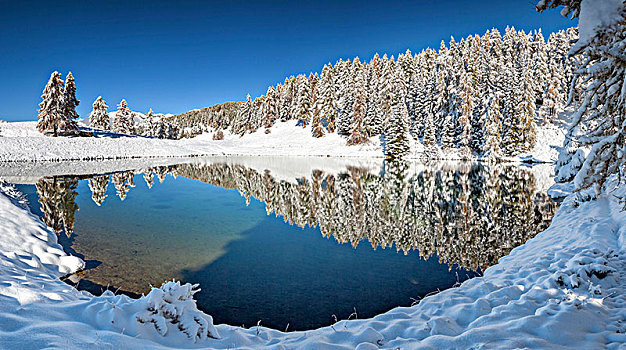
387,237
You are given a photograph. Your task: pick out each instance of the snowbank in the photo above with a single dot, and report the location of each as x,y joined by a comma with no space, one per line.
20,142
565,288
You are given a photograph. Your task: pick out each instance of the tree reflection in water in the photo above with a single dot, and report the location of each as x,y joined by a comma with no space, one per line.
468,214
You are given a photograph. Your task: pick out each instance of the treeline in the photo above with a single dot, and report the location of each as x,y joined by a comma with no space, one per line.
483,96
57,114
153,125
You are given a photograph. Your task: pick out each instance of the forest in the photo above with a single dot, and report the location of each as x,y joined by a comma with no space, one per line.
484,95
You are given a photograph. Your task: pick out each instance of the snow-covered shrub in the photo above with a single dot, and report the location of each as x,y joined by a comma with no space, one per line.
219,135
585,270
172,307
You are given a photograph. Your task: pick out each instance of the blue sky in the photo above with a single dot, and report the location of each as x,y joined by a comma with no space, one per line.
176,56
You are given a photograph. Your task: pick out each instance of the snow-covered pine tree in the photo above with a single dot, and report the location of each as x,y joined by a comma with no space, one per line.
526,110
357,133
244,113
155,126
373,116
285,101
69,124
271,109
327,99
317,129
541,71
123,121
464,130
346,99
51,109
397,128
493,127
305,107
441,99
99,118
386,86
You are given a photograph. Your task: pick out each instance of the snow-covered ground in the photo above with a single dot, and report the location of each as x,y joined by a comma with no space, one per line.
565,288
20,141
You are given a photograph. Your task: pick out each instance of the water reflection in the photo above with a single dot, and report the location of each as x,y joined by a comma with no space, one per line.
57,197
467,214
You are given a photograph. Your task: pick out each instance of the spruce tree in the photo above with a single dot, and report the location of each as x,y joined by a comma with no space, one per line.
346,100
327,100
304,106
99,118
51,109
397,131
123,121
69,124
357,133
493,127
271,109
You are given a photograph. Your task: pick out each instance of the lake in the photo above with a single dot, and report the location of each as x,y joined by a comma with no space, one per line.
292,247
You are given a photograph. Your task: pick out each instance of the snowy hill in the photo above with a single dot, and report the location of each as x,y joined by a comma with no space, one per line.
20,141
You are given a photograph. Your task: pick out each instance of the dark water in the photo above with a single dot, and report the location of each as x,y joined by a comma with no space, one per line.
292,252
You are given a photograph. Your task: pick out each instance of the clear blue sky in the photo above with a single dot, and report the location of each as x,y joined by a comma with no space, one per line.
176,56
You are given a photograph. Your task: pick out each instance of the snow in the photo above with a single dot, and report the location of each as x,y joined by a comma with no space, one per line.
565,288
595,15
20,142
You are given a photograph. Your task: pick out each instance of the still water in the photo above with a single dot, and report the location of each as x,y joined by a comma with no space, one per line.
298,251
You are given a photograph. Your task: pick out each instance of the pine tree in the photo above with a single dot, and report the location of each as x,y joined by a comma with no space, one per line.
464,131
240,124
326,99
430,131
51,109
123,121
346,99
526,110
541,71
99,118
304,107
70,103
387,87
271,109
493,139
357,134
397,131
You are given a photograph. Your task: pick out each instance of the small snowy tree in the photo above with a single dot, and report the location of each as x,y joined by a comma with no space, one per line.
123,121
70,103
99,118
51,109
